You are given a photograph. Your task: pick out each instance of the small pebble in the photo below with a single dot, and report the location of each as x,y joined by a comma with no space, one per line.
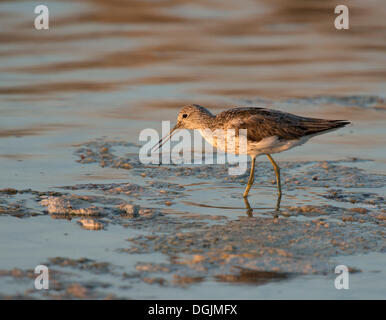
90,224
130,209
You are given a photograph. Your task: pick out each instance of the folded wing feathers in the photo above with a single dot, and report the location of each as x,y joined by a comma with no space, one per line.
262,123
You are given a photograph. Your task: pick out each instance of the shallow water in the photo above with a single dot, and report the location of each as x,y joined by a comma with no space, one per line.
108,69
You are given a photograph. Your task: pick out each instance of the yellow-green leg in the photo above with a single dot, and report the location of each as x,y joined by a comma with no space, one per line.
248,207
277,172
251,178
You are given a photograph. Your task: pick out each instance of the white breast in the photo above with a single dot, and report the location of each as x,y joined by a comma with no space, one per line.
267,145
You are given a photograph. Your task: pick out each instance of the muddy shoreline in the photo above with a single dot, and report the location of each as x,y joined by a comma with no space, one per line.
262,246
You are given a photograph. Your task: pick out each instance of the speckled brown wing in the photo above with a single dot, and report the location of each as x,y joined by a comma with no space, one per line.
262,123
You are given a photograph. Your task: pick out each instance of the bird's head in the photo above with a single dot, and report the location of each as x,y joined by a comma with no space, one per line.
191,116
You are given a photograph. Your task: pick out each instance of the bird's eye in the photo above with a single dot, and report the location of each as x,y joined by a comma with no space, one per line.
184,115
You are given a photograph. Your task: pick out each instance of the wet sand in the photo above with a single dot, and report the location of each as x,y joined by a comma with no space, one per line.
74,196
166,228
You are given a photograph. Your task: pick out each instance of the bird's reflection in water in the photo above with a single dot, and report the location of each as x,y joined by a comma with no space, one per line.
250,210
247,207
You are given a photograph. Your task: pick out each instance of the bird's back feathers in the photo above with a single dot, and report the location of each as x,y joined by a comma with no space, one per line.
262,123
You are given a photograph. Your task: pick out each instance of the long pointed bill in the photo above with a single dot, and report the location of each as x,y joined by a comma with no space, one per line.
164,139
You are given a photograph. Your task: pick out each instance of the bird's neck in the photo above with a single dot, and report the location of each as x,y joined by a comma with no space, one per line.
206,119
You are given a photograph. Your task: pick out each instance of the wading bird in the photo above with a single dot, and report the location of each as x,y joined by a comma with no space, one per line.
268,131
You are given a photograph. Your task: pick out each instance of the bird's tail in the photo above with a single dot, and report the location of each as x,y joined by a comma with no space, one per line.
314,126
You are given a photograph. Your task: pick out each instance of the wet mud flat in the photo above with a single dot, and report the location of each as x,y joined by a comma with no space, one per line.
175,239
